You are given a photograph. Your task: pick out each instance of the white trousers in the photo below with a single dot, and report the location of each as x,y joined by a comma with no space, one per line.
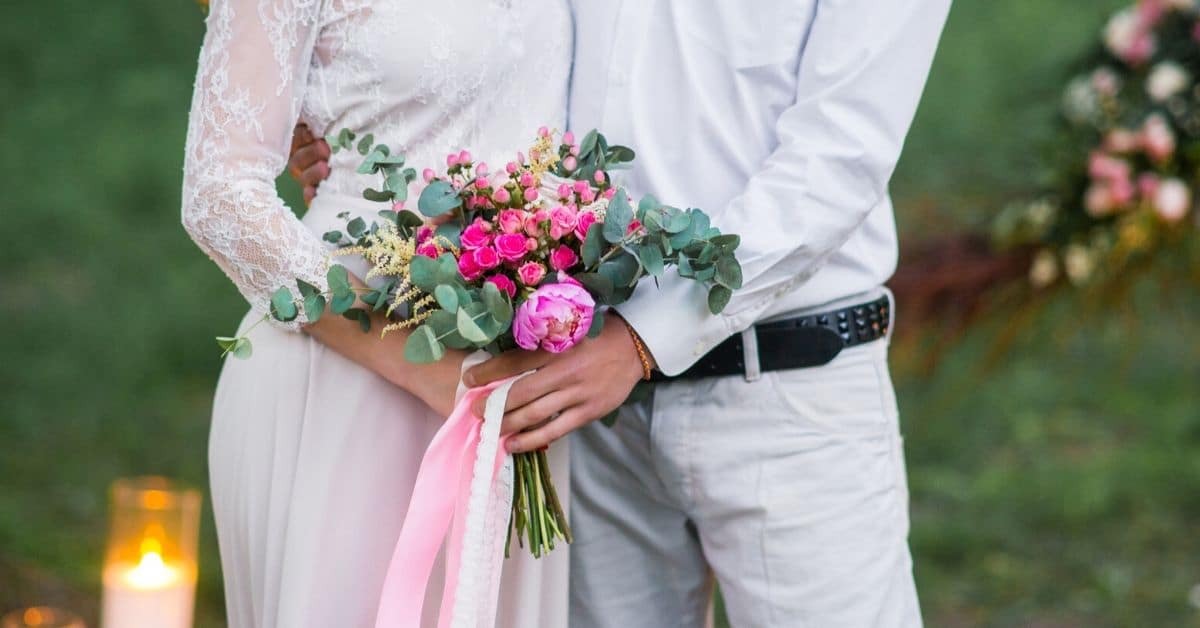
791,488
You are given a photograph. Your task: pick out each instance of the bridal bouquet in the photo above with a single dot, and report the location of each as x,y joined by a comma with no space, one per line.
520,257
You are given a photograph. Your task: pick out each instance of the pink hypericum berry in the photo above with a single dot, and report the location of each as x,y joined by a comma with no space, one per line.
543,132
464,157
587,197
428,174
564,190
501,196
482,183
531,244
531,194
580,186
570,163
520,157
511,167
481,168
526,179
574,150
568,138
599,176
609,193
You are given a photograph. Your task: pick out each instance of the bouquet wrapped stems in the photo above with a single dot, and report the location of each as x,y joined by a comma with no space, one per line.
537,513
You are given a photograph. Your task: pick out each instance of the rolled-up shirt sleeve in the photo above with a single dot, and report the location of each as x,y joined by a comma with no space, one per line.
860,79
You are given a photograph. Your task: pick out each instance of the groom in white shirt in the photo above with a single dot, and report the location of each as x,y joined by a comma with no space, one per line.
770,456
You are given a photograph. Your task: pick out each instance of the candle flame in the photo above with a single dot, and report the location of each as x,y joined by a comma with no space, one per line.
151,572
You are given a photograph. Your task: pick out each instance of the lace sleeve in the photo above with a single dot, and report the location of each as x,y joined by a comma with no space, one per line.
249,86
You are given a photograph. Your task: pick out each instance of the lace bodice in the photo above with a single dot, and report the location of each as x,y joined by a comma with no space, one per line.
424,77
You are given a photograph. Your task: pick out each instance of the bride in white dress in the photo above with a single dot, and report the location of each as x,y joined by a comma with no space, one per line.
317,438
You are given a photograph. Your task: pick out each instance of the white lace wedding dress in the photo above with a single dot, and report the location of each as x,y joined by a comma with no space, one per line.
312,458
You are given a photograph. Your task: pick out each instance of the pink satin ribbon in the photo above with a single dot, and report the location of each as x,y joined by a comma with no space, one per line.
439,498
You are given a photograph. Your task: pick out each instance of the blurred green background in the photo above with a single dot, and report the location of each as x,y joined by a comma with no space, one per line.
1058,488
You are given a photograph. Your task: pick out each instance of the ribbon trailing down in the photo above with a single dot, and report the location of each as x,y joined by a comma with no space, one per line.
463,496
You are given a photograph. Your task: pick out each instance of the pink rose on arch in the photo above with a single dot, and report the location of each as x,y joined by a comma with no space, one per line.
582,222
474,237
485,258
511,247
505,284
555,317
511,220
562,221
531,273
563,258
468,268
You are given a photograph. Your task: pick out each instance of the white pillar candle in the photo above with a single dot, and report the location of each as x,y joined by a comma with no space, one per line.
150,594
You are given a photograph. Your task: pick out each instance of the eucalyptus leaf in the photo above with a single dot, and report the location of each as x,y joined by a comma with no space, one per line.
406,218
617,217
342,302
439,197
423,347
729,272
283,307
332,237
450,232
357,227
597,325
423,272
364,145
496,302
597,284
718,298
469,329
593,245
360,315
314,307
338,279
652,259
588,143
446,297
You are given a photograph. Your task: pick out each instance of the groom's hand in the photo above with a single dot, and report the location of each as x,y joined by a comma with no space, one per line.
309,161
575,387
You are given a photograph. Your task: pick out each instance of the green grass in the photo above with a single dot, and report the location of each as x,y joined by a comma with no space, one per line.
1060,488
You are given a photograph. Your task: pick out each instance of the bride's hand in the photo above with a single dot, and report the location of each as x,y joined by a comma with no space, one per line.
309,161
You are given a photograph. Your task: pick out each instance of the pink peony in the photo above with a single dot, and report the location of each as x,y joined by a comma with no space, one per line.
505,284
476,235
511,247
555,317
562,221
582,222
531,273
468,268
486,258
511,220
563,258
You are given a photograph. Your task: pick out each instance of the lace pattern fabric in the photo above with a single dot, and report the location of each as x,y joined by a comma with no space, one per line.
425,77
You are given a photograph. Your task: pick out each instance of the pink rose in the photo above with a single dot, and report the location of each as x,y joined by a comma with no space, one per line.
505,284
531,273
533,222
562,221
474,236
634,226
583,221
1158,139
1172,200
511,247
563,258
468,268
555,317
428,250
424,234
486,258
511,220
1103,166
1098,200
1147,185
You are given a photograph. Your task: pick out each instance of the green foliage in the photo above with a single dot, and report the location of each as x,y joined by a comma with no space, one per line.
438,198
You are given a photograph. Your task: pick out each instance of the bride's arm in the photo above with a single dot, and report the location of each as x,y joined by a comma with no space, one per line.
249,86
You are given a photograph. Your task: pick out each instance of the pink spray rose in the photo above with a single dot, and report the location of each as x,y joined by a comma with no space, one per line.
533,222
582,222
530,273
428,250
486,258
505,284
1157,138
511,221
511,247
474,236
562,221
555,317
424,234
563,258
468,268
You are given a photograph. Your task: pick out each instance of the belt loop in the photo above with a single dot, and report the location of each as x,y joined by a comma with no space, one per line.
750,354
891,328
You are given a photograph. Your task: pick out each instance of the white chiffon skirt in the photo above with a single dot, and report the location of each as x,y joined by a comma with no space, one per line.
312,460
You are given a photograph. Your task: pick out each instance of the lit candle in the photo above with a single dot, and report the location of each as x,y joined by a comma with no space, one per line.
150,576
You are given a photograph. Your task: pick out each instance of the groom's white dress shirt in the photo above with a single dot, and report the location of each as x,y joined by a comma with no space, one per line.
782,119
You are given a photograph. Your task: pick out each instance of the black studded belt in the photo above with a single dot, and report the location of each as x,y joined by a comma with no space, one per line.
796,342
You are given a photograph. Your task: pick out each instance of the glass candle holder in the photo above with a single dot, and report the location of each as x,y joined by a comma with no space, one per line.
150,566
41,617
